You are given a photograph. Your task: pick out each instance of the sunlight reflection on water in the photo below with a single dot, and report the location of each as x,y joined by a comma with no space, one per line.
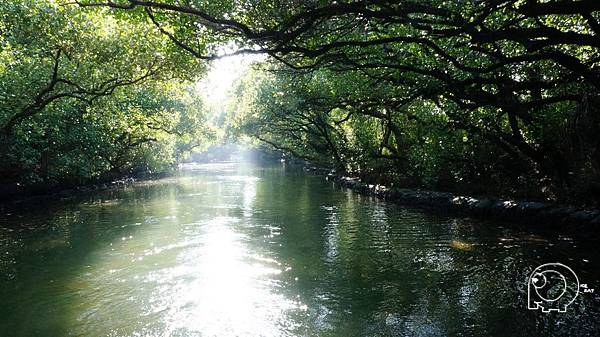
228,250
227,293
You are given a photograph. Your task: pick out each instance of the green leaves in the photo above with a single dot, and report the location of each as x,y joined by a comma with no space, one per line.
88,93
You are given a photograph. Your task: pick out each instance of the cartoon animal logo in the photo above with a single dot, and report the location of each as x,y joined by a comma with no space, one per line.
552,287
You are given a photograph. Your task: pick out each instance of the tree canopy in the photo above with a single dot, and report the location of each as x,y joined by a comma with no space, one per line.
501,94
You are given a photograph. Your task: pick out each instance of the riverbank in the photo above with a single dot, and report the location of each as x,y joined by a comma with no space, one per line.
582,220
531,212
70,191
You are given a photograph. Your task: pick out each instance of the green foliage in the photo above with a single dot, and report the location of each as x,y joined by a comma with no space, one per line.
475,95
85,95
332,118
483,96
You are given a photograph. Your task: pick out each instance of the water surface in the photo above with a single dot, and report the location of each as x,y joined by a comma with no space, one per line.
236,249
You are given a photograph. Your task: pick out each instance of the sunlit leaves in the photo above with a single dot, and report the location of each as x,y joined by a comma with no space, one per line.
97,93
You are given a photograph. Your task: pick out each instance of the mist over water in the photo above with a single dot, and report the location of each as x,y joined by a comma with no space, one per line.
242,249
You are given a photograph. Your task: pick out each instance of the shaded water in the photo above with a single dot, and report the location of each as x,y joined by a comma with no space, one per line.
247,250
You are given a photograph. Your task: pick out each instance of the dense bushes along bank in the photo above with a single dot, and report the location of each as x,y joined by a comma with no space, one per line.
87,97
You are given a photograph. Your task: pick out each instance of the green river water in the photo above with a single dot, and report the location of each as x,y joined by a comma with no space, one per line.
240,249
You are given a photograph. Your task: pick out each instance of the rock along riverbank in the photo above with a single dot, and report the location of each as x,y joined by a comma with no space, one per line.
584,221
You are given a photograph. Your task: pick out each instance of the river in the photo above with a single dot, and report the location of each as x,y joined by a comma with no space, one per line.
242,249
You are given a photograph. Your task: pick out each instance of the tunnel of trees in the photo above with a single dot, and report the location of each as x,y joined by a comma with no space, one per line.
483,96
